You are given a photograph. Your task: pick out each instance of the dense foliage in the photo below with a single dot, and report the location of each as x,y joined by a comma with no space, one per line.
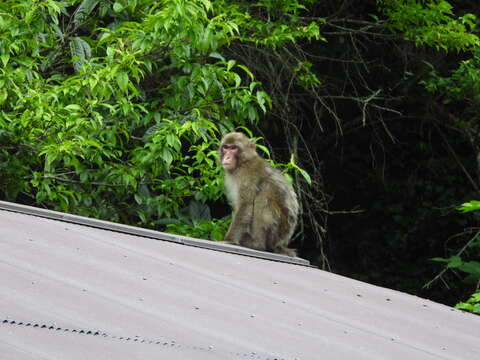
113,109
460,262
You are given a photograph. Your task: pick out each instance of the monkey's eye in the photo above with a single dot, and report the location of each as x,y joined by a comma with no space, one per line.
230,147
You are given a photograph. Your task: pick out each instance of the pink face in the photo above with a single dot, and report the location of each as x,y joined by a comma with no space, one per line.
229,156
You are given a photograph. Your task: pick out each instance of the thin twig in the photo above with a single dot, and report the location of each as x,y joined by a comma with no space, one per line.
439,276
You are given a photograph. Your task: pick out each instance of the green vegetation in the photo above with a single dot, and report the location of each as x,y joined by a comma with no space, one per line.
457,262
113,109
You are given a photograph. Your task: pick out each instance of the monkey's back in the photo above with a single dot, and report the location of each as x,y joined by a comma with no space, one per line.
276,198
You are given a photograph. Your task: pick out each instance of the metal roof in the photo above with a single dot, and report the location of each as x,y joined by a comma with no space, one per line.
73,291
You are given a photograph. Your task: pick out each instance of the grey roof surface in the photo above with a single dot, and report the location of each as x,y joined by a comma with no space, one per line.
71,291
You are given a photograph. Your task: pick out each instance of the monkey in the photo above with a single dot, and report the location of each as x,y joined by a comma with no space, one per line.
265,206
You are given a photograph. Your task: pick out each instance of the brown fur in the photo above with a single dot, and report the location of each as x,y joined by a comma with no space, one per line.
265,206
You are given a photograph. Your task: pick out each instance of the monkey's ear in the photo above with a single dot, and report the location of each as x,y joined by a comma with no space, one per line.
252,145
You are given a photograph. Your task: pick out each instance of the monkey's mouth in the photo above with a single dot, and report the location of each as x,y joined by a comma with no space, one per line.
228,165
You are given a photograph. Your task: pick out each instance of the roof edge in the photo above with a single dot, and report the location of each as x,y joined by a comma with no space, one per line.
152,234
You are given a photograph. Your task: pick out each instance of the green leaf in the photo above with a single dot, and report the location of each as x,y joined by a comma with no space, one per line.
80,51
118,7
167,156
199,211
454,262
288,177
138,198
238,80
247,70
122,80
305,175
216,55
74,108
469,206
5,58
471,267
230,64
83,11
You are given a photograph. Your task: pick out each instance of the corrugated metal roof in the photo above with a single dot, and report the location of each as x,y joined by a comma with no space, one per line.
71,291
185,240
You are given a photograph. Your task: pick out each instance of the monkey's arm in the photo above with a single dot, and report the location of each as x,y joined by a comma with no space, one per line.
240,225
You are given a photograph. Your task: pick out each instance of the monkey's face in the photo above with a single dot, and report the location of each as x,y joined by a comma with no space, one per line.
229,157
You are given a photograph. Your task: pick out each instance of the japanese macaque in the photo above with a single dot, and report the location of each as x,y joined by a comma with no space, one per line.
265,206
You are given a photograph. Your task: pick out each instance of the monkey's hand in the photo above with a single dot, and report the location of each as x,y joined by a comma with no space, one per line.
232,236
227,242
229,239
